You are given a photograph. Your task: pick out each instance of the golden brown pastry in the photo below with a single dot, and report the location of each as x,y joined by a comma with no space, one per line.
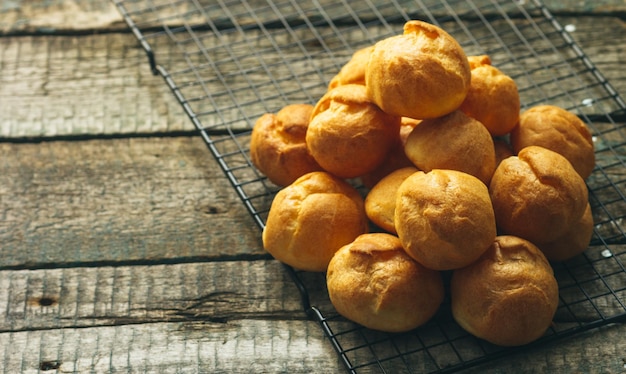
396,157
493,98
372,281
557,129
509,296
380,202
444,218
312,218
454,141
537,195
349,135
277,144
423,73
353,72
574,242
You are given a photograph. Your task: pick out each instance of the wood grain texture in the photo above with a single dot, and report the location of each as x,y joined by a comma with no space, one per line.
261,346
111,201
82,85
86,85
572,355
244,346
21,16
49,17
118,200
221,292
594,42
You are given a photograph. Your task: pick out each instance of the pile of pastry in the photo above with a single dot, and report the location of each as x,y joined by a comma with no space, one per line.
459,180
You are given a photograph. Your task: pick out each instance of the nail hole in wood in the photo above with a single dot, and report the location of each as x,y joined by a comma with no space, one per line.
49,365
46,301
211,210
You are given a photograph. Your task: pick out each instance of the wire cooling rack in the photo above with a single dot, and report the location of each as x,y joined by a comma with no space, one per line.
229,61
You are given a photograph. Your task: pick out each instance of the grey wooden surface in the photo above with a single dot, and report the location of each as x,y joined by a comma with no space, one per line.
124,249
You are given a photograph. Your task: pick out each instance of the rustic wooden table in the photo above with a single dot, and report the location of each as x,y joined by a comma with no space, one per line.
124,248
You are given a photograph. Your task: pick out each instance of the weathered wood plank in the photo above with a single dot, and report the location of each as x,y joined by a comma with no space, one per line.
156,199
104,201
58,16
605,46
101,84
217,298
586,6
600,350
220,292
227,291
262,346
245,346
73,85
21,16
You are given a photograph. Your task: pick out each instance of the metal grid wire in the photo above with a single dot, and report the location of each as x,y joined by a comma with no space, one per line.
228,62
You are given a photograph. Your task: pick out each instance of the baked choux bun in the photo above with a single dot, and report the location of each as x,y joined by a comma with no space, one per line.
454,141
396,157
559,130
353,72
310,219
422,73
574,242
380,202
373,282
493,98
507,297
537,195
444,218
348,135
277,144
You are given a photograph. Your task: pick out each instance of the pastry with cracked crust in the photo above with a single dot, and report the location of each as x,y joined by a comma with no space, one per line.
508,296
537,195
312,218
348,135
493,98
277,144
372,281
559,130
422,73
444,218
454,141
